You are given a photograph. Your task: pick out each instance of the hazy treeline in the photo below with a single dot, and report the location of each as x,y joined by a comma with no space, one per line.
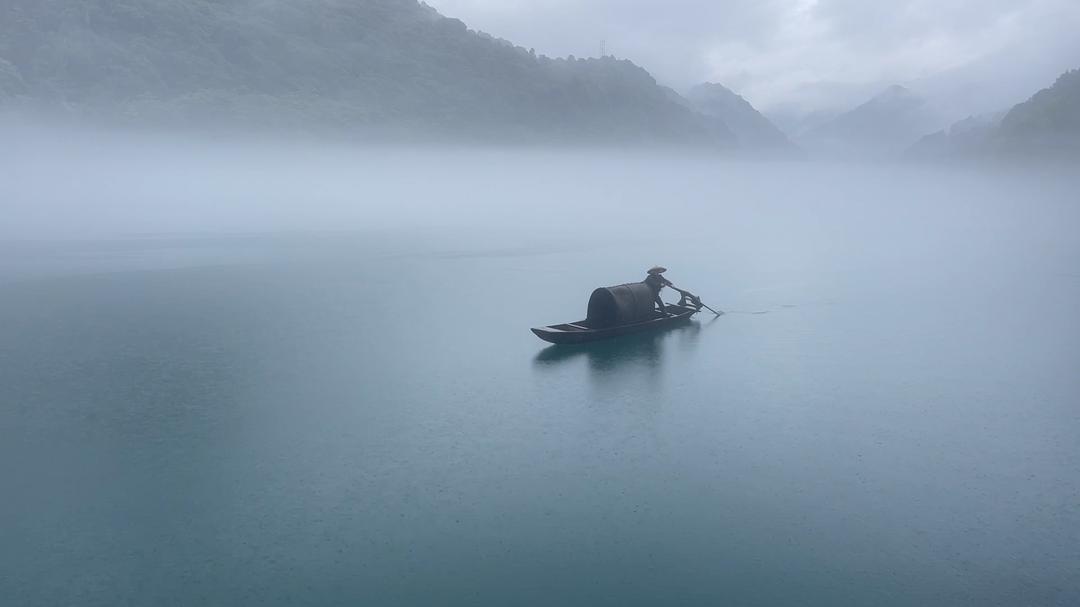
377,68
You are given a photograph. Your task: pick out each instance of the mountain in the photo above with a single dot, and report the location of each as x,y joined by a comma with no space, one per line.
1046,127
964,138
754,131
673,95
1001,79
795,123
811,104
885,125
1048,124
984,85
378,69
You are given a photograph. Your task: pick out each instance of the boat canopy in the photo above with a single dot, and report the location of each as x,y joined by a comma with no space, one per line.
620,305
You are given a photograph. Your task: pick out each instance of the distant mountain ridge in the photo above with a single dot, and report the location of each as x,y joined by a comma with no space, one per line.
997,81
1045,127
885,125
381,69
755,132
967,137
1048,122
899,123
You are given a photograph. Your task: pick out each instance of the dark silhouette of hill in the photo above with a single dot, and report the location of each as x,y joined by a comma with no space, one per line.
379,69
1046,124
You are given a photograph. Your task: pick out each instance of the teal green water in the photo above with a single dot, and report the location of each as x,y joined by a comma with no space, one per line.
886,415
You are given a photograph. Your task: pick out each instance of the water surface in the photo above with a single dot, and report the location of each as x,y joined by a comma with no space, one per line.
886,414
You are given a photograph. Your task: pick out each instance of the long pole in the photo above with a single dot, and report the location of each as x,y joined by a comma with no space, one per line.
695,298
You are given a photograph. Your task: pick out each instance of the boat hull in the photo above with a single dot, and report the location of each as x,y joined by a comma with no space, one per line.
578,333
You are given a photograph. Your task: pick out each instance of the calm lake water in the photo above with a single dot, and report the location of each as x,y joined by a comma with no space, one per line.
888,413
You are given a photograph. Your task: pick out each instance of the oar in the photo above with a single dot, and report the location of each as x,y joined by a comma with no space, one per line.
707,307
695,298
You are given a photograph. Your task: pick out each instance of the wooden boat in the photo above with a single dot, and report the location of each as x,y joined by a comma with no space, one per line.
614,312
579,332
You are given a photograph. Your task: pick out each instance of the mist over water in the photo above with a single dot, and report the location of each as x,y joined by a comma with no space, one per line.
256,373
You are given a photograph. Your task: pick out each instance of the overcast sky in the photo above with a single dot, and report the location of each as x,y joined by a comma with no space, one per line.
815,53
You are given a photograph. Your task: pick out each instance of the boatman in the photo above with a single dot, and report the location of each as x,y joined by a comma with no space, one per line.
656,282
